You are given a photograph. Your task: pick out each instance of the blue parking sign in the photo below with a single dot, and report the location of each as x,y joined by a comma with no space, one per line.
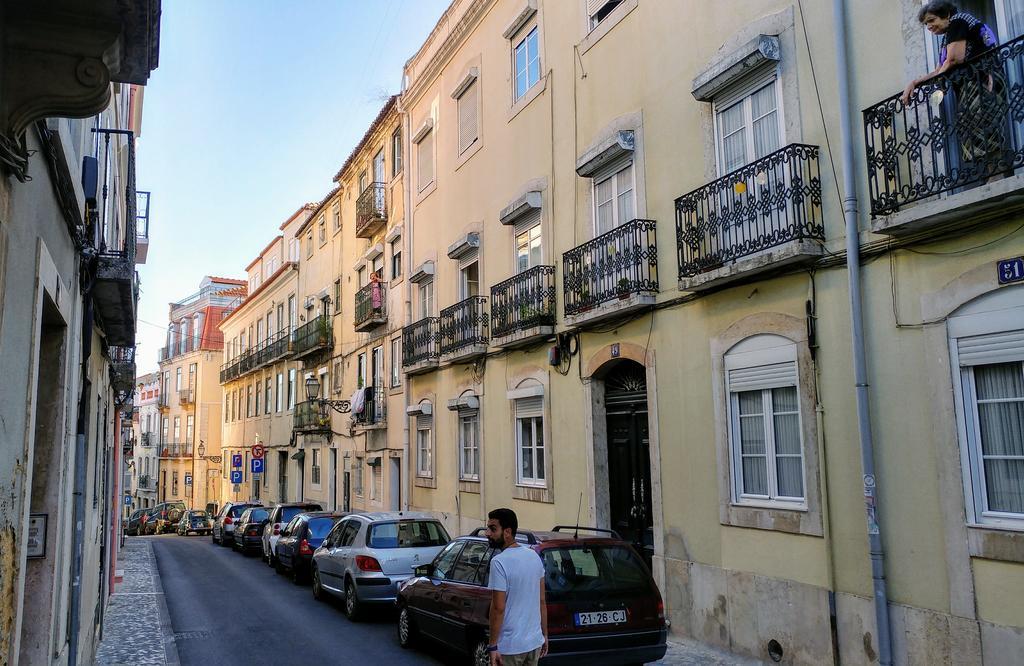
236,459
236,476
127,499
256,465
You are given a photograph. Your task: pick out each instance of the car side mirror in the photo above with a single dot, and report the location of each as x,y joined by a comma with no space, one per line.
424,570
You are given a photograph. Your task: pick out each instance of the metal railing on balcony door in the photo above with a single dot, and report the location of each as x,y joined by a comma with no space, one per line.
371,303
314,334
464,324
420,342
307,416
959,129
374,406
176,450
766,203
371,206
523,301
618,263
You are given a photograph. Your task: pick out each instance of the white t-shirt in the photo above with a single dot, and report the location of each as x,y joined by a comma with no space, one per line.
518,572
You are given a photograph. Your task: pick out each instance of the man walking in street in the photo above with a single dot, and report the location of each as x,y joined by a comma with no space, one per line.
519,616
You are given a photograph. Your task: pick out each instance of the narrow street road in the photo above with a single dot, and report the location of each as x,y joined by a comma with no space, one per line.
229,609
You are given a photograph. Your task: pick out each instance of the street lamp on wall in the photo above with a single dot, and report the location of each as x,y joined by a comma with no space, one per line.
312,393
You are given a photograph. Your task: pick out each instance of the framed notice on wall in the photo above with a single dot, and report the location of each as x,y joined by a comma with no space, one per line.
36,547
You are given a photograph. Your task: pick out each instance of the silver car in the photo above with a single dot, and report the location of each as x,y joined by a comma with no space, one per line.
366,556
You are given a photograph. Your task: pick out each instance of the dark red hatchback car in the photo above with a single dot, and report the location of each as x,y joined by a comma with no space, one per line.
603,604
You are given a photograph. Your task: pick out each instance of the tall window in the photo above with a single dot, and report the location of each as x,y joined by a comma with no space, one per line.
259,332
357,477
268,392
747,124
257,392
227,406
614,201
192,371
314,468
280,391
424,445
337,295
177,429
469,445
425,161
190,428
526,60
309,244
469,279
248,400
322,230
280,316
163,431
293,249
336,215
291,388
530,441
396,152
177,379
396,258
292,312
174,483
361,370
376,480
764,421
468,103
426,298
528,247
396,362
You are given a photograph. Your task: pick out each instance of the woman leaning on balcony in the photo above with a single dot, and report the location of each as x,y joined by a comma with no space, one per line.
979,97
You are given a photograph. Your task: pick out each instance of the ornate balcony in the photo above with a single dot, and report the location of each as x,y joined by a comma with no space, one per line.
761,217
950,153
176,450
229,371
307,418
186,397
147,483
371,306
611,275
116,289
122,367
148,440
464,330
275,347
374,413
371,210
313,336
163,401
420,346
523,307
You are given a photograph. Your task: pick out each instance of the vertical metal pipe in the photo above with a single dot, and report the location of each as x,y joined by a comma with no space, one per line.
867,452
405,468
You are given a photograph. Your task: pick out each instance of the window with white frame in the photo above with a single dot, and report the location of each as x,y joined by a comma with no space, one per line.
765,431
177,379
291,388
190,428
526,61
357,477
376,479
309,244
268,393
529,418
469,444
614,197
424,445
336,215
748,121
468,103
314,466
280,392
987,348
396,362
177,429
256,394
528,244
426,298
396,152
396,258
293,249
425,160
597,10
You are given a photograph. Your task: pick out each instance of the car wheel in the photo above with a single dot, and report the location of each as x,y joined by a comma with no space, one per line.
481,657
318,591
352,606
407,632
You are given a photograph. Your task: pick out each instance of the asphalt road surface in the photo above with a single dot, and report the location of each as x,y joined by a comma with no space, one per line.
227,608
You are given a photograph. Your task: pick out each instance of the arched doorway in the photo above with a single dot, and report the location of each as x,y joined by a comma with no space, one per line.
630,509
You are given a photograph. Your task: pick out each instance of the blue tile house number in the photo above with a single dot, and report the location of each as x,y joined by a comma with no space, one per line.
1011,270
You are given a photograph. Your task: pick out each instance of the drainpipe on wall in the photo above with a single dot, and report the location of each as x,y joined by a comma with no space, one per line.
407,257
78,519
867,451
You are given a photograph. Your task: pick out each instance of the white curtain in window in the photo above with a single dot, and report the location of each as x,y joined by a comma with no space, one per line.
1000,404
734,148
753,444
788,456
764,116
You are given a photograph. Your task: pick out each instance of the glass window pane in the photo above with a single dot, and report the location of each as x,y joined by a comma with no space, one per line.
539,431
526,448
787,434
734,152
1001,380
790,471
1004,481
784,399
763,101
750,403
755,475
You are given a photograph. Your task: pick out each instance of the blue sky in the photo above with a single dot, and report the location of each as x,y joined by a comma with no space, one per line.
254,107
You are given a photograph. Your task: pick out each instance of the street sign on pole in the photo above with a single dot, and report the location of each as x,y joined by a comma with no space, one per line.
257,451
127,499
256,465
236,459
236,476
188,478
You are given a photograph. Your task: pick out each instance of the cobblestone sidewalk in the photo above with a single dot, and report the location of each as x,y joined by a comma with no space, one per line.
136,626
683,652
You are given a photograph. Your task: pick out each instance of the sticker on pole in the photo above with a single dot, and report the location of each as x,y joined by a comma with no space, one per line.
236,459
236,476
257,451
256,465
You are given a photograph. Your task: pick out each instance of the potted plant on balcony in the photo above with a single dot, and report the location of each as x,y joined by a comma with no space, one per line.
623,288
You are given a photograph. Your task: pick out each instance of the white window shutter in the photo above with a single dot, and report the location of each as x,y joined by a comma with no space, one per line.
594,6
468,120
424,422
993,348
526,222
469,258
762,377
530,407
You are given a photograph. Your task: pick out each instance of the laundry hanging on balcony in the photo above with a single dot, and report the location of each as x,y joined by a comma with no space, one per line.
358,401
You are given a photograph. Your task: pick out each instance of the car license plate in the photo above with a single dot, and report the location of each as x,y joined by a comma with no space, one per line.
600,617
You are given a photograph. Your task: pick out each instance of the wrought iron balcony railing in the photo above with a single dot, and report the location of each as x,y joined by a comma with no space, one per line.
371,305
764,204
275,347
307,417
163,401
146,482
958,130
523,302
374,410
314,335
148,439
228,371
186,397
371,209
616,264
122,367
420,342
463,325
176,450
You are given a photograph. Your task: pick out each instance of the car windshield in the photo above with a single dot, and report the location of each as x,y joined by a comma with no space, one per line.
585,571
289,512
319,527
408,534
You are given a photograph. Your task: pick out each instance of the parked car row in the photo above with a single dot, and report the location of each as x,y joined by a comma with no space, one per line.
603,604
156,519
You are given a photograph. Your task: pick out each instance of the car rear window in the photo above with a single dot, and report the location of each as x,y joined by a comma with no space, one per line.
319,527
408,534
289,512
257,515
594,571
199,514
237,510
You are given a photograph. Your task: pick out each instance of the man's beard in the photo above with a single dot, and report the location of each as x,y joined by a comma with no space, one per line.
496,542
